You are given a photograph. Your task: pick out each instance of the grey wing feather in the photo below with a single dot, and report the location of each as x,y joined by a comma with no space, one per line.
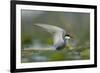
50,28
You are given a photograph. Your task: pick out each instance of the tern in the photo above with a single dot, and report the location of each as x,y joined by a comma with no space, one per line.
60,37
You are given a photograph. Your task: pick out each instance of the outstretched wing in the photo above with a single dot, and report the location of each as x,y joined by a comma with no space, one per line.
58,32
50,28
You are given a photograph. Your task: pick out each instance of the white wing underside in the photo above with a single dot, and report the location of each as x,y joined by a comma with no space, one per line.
56,31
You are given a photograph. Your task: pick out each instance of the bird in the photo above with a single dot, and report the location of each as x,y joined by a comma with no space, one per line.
60,36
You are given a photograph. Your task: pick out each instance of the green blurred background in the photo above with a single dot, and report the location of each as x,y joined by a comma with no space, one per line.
77,24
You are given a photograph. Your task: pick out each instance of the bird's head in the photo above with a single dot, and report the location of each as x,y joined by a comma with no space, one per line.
67,37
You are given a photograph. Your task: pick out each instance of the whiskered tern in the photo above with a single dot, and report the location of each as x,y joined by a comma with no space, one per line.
60,37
